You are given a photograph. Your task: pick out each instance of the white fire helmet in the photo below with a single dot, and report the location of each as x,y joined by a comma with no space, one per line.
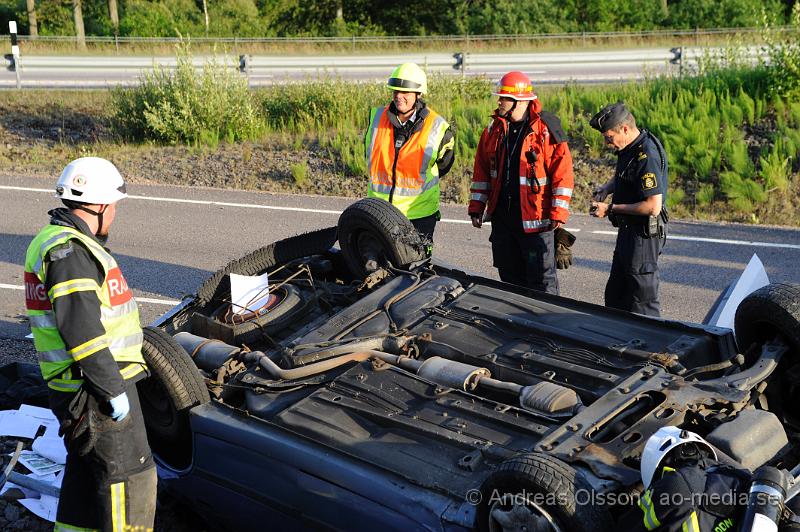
91,180
662,442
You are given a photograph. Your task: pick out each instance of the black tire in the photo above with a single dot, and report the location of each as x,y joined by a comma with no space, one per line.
173,388
216,287
375,229
293,304
770,311
519,479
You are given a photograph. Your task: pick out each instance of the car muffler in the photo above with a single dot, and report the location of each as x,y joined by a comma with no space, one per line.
208,354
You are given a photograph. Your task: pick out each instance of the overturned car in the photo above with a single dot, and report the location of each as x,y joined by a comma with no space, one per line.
376,389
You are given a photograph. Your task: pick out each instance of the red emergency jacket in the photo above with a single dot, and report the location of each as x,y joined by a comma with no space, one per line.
542,201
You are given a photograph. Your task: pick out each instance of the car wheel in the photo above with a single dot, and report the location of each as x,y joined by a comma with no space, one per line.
289,305
770,311
173,388
216,287
374,230
538,492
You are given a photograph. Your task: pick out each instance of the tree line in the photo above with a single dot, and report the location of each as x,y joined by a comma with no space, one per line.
309,18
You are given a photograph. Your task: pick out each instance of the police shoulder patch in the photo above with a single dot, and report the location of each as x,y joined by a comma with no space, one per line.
642,156
649,181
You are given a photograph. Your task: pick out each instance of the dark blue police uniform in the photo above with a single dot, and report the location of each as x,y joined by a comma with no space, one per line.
641,172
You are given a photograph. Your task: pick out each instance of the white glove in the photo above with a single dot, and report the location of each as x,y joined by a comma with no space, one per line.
120,407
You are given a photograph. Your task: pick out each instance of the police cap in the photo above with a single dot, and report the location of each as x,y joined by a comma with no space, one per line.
610,117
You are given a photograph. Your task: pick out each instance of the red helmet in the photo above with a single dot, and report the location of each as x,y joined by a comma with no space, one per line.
515,85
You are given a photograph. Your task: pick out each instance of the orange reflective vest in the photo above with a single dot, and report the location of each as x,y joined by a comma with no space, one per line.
545,188
406,177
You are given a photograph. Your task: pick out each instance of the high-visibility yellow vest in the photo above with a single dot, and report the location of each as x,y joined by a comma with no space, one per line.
118,312
415,176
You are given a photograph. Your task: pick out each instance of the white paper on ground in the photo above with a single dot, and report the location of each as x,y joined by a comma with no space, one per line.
51,448
45,414
753,277
45,507
248,293
18,425
38,464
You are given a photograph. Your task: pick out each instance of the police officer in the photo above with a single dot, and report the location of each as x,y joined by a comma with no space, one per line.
409,147
86,329
638,210
523,182
686,488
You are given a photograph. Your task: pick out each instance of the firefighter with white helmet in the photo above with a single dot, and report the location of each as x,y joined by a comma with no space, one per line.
88,337
409,148
686,487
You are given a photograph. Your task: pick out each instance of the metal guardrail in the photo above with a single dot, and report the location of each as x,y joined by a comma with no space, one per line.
372,39
432,62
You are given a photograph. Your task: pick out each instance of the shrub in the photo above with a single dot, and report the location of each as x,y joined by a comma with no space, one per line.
299,173
185,106
742,193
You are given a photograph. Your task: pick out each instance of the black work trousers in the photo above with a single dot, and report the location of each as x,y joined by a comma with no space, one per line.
524,259
110,478
633,283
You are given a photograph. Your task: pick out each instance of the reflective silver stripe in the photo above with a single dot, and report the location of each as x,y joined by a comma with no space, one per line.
432,145
562,191
401,191
126,341
431,183
119,310
381,189
93,346
56,355
479,185
564,204
535,224
100,253
43,321
477,196
63,289
541,181
376,120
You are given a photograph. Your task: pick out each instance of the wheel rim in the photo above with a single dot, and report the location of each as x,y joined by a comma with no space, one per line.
368,247
530,516
228,316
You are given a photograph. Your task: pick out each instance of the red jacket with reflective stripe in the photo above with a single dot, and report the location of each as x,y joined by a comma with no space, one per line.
543,201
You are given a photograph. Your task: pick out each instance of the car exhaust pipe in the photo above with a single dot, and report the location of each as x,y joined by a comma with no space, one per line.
208,354
544,397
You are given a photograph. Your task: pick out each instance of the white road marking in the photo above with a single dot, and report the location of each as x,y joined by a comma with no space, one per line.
718,241
446,220
170,302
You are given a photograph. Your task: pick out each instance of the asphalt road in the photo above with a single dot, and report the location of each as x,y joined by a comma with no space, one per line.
169,239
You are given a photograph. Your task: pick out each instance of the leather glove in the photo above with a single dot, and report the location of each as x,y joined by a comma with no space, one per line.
120,407
564,240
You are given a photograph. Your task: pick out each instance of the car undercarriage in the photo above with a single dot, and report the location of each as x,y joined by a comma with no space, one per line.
377,387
